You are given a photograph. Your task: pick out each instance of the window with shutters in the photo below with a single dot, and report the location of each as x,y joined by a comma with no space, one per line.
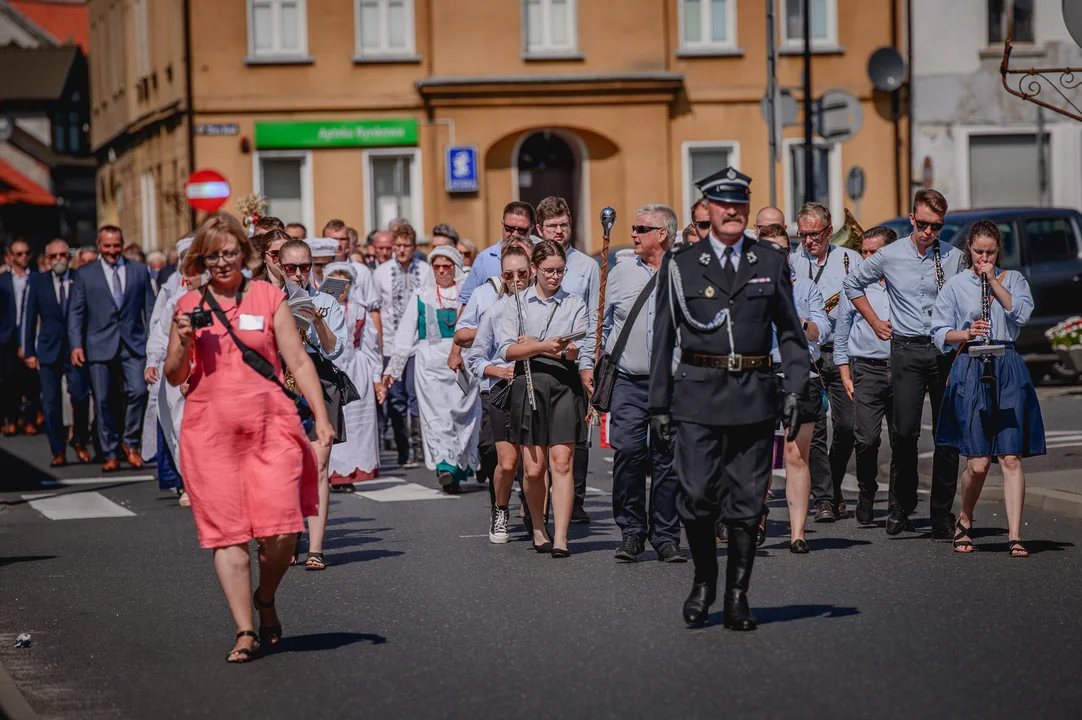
384,28
551,27
277,28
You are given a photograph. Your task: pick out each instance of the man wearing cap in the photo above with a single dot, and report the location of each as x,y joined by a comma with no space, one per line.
719,297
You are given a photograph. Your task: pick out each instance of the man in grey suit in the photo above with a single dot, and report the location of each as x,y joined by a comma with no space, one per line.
110,308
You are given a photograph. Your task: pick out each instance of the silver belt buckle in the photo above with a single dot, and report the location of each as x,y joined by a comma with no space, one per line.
736,363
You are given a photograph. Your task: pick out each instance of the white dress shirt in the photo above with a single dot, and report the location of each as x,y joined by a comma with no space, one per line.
19,282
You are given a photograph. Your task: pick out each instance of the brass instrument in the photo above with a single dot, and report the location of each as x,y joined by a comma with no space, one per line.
525,362
849,236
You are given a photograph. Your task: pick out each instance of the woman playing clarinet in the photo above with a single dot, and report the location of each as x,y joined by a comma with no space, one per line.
990,408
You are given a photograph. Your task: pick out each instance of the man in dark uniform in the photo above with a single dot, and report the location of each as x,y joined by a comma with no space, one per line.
723,294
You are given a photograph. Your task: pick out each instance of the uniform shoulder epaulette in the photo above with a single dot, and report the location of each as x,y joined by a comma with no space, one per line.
775,247
681,247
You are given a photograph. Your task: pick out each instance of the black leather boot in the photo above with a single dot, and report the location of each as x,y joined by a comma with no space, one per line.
737,575
704,591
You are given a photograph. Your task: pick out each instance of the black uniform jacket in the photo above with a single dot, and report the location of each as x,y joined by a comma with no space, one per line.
760,296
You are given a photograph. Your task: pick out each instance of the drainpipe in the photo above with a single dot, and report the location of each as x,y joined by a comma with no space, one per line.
188,102
909,96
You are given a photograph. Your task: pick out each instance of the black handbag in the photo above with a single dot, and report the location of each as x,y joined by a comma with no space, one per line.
500,395
255,360
605,365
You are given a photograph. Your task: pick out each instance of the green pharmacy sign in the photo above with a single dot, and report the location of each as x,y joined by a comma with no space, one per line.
336,133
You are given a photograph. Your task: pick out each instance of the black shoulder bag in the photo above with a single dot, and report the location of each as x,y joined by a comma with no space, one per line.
605,365
255,360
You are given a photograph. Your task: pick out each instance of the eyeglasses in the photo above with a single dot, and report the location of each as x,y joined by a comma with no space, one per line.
20,253
702,224
516,275
922,225
810,233
643,229
557,226
291,268
228,255
553,272
512,230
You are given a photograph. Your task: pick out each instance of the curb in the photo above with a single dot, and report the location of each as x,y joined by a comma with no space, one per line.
1055,502
12,703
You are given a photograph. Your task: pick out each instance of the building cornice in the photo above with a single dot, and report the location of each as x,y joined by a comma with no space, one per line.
562,89
152,119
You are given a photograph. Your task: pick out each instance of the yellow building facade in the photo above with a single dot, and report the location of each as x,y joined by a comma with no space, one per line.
347,108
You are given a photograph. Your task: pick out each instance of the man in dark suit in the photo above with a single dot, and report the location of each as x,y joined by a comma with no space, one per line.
108,314
720,298
19,395
47,351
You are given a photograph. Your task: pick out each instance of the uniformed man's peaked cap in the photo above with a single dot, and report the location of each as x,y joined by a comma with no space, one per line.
728,185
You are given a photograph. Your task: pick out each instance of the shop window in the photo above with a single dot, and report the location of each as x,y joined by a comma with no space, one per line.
277,28
384,28
551,27
284,180
824,23
703,159
997,21
708,24
393,187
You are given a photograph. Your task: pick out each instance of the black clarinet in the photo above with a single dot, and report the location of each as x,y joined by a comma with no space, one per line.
987,375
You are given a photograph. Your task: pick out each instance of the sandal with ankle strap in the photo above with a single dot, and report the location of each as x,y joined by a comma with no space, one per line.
315,561
246,654
269,635
962,542
1017,549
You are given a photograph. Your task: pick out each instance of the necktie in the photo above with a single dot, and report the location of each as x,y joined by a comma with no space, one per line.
63,297
118,292
727,269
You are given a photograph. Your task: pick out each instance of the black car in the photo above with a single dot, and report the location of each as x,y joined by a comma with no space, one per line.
1045,245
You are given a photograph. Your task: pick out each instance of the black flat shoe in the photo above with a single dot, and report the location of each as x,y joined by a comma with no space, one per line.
799,547
269,635
246,655
697,605
543,548
561,552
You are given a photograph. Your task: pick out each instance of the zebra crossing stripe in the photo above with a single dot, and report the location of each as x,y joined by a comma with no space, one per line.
76,506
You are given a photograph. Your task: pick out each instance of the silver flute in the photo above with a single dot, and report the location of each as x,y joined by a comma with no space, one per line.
526,361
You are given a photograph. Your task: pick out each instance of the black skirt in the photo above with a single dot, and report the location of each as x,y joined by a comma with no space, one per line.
560,398
499,419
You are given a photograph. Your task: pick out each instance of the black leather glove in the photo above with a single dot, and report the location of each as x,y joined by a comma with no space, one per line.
661,431
790,415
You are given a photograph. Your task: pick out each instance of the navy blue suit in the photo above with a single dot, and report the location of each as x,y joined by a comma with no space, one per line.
48,342
17,381
114,340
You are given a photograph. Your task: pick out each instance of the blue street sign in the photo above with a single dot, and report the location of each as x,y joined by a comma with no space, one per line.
462,172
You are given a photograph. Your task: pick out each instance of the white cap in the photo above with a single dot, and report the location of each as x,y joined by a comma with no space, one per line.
183,244
341,267
322,247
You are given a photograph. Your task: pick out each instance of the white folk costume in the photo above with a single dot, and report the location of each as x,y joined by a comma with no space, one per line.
450,417
357,459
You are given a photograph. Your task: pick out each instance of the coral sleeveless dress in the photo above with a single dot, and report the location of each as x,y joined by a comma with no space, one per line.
247,464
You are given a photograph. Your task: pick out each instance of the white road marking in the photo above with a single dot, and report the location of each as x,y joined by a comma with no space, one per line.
395,490
595,491
76,506
104,480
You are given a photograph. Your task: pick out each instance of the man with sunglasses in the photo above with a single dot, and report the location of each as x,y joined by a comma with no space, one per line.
915,270
827,266
18,383
700,220
517,221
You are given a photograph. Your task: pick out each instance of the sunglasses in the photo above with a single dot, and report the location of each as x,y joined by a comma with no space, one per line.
922,225
643,229
273,255
702,224
516,275
512,230
291,268
57,256
443,267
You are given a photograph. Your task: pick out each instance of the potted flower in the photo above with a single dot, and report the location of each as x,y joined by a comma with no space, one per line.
1066,340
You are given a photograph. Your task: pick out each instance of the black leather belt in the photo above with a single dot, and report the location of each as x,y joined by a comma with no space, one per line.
632,378
732,363
881,362
911,340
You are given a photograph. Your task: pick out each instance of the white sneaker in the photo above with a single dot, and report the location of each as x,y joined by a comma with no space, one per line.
498,530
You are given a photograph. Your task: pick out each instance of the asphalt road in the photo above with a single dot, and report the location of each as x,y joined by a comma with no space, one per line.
419,616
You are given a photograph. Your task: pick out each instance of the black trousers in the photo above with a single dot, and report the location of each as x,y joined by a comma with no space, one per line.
486,442
918,368
20,391
873,397
841,422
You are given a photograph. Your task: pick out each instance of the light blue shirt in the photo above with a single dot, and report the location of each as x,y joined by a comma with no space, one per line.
561,314
335,318
959,304
626,282
911,282
481,300
583,278
835,270
853,336
485,265
486,347
809,306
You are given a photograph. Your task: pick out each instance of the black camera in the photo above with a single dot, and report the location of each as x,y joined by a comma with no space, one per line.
201,319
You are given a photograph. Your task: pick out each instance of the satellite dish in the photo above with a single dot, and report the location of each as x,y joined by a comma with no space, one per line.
886,69
1072,18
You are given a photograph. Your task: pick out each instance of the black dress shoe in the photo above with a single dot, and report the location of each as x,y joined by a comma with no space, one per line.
671,554
697,606
721,532
761,537
943,528
824,512
579,516
864,511
897,521
799,547
630,549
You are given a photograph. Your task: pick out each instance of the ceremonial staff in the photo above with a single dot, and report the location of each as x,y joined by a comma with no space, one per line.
608,219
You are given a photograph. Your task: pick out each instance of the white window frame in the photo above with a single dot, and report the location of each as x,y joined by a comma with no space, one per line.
416,215
408,50
686,148
1003,20
142,38
837,197
305,156
546,48
706,15
1064,161
148,209
276,50
830,42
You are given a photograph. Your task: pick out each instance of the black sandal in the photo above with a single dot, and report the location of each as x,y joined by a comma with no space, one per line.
1016,546
315,562
247,654
269,635
961,538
